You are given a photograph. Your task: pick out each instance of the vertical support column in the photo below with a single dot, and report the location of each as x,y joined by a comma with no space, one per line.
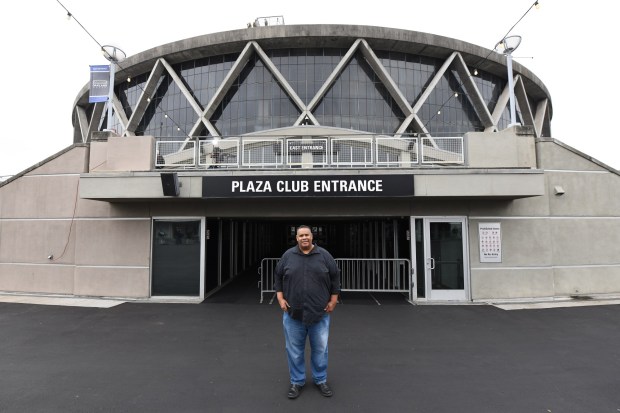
511,88
110,96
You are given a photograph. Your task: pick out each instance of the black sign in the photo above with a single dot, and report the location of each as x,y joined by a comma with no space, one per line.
307,186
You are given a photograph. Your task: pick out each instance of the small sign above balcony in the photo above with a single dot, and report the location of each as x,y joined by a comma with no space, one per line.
298,146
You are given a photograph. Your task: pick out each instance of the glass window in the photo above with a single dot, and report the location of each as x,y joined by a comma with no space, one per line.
357,100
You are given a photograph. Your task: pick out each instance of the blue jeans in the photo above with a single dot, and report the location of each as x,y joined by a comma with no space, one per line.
295,333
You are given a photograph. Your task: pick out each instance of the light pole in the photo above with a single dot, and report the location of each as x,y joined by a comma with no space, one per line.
114,56
506,46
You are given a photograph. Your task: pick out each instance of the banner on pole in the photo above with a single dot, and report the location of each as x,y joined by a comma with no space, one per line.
99,83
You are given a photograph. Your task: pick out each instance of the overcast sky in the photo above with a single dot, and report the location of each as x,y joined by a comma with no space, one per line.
569,45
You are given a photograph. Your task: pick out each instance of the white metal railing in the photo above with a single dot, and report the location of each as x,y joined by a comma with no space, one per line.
307,152
443,150
352,152
175,153
396,152
268,21
356,274
219,153
310,152
262,152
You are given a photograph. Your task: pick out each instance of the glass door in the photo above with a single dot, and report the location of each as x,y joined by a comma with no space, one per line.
177,258
440,251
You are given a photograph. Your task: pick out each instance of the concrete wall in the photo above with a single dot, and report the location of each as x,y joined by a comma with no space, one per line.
119,154
505,149
51,241
556,245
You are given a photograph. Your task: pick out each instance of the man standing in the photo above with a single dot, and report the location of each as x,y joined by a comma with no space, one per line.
307,283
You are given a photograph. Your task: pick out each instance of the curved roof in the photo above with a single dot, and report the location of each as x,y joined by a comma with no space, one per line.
285,36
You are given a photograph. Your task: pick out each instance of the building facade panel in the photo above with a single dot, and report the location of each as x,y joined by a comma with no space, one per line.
561,157
587,281
524,243
524,207
70,161
40,240
512,283
41,196
586,241
583,193
130,282
225,116
113,242
500,150
96,209
37,278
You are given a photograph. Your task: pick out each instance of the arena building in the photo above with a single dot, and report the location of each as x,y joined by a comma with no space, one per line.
395,146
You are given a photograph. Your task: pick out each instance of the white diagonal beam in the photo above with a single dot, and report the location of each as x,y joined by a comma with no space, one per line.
119,111
96,118
82,122
433,83
220,93
417,122
541,114
333,76
149,90
524,105
385,78
179,82
303,116
473,94
424,96
281,79
502,102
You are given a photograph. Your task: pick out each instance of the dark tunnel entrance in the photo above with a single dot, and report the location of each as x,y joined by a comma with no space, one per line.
235,247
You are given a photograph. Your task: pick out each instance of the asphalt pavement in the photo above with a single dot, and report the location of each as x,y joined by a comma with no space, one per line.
386,355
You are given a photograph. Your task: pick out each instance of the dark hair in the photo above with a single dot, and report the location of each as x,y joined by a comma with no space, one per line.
303,226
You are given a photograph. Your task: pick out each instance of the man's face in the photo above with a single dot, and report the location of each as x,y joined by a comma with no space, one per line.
304,238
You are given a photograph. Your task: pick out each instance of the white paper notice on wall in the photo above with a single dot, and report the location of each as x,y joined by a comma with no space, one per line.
490,236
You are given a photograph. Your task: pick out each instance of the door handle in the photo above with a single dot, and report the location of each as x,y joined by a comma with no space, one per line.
431,261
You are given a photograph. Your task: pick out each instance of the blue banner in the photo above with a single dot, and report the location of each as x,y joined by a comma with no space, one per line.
99,83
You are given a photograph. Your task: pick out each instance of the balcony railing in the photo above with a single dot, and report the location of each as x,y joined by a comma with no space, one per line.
315,152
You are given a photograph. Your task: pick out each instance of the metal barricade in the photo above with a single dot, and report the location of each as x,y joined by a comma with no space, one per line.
266,272
375,275
356,274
